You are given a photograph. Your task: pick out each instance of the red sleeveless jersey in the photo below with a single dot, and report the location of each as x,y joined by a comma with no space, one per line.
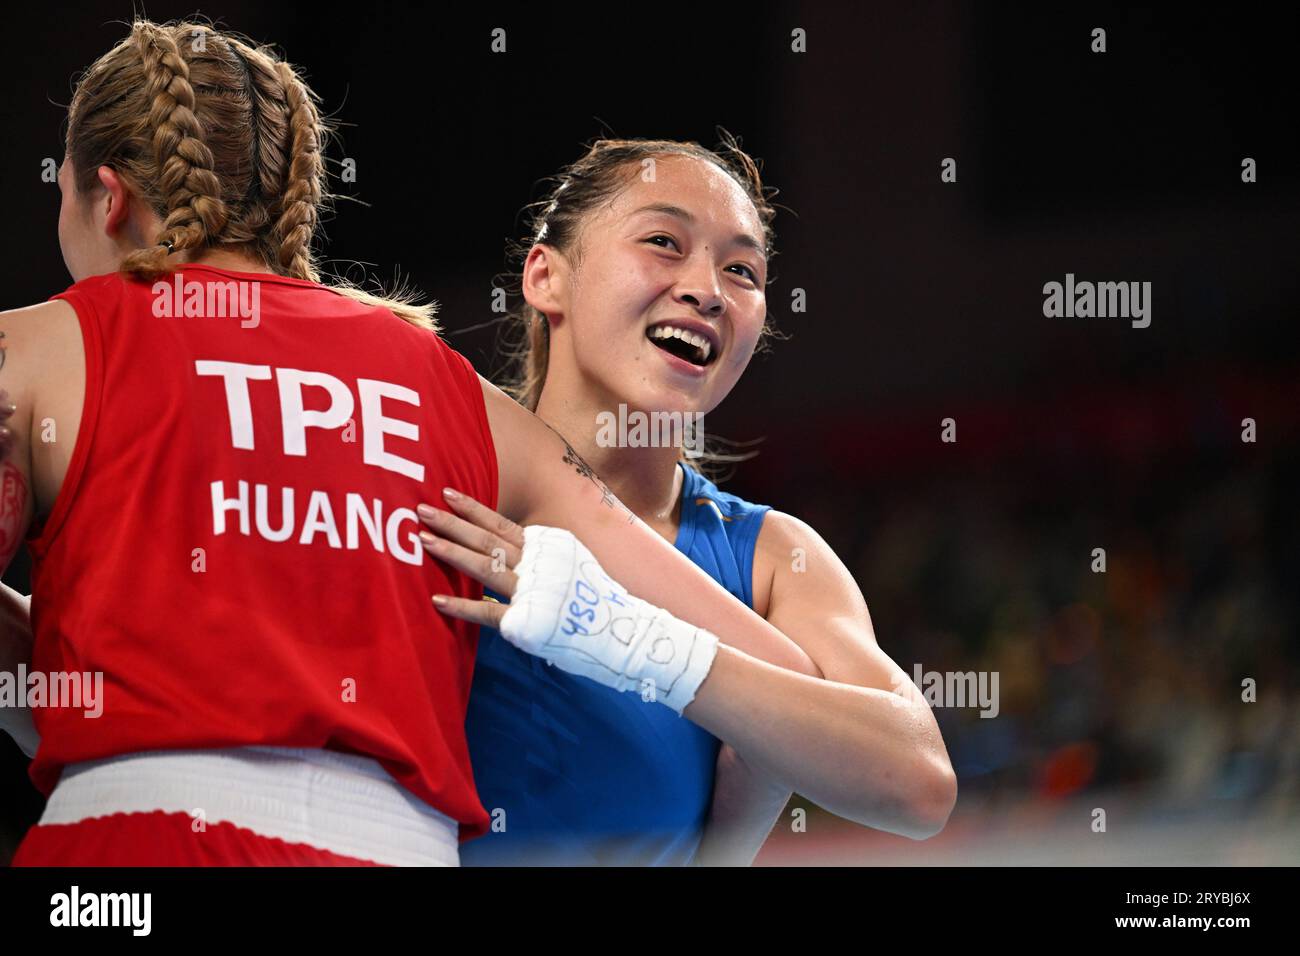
235,544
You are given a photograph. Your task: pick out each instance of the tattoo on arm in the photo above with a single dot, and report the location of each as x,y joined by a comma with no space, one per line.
607,497
13,508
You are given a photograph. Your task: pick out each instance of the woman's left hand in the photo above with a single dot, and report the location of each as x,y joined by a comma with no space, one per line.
478,541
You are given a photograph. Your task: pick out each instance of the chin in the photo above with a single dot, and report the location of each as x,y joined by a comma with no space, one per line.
663,397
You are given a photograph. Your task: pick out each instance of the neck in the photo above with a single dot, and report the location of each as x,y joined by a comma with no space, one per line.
646,480
229,259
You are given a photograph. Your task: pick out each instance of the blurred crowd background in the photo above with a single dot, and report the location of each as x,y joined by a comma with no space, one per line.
1119,690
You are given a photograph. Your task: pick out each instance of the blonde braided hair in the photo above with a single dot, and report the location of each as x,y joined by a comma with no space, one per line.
224,141
189,187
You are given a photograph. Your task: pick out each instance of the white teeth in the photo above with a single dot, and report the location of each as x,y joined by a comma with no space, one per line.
691,338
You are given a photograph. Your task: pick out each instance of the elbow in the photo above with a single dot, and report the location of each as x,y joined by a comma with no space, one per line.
932,807
917,808
943,799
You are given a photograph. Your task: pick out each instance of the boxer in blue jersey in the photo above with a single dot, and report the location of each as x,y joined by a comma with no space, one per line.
580,774
644,285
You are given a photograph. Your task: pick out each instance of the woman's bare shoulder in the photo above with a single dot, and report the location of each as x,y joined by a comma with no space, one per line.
32,337
790,554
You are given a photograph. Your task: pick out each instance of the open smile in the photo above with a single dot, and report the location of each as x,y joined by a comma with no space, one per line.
689,341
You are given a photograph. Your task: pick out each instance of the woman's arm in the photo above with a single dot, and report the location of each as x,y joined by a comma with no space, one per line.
866,753
746,805
851,765
543,481
15,649
19,361
862,742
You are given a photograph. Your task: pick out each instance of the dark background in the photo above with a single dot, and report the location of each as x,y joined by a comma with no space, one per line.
924,302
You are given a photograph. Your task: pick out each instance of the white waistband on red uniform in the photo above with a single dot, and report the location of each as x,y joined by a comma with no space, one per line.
341,803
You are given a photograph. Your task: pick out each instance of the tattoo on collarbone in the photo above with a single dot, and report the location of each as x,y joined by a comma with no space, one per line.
2,351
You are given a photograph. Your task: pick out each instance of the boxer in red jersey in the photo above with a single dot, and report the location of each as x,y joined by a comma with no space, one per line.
216,458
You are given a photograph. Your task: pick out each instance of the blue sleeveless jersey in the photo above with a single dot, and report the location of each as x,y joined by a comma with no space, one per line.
575,773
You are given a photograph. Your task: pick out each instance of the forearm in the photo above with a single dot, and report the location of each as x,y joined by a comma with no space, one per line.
15,649
543,481
746,805
652,569
868,755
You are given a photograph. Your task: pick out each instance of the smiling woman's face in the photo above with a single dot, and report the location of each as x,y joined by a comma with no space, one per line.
665,304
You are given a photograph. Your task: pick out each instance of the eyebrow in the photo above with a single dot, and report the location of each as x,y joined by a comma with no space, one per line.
668,209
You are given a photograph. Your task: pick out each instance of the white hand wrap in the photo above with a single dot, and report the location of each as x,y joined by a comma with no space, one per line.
568,611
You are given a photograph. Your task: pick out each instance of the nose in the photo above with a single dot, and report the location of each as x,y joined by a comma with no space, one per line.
699,288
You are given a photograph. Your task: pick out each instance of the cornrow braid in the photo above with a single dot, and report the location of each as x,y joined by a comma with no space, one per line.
254,109
302,191
190,189
268,150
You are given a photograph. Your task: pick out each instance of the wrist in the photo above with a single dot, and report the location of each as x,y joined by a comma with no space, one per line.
567,610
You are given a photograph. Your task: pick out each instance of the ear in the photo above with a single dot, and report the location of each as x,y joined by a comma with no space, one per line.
545,281
115,205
